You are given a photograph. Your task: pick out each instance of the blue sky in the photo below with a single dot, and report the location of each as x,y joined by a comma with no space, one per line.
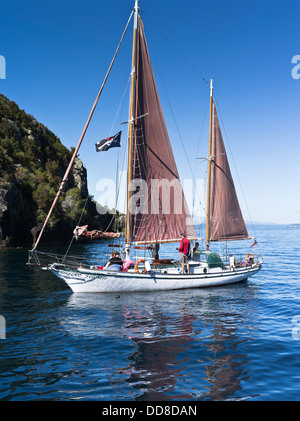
57,54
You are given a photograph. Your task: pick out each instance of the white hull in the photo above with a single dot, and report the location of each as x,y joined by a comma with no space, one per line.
93,280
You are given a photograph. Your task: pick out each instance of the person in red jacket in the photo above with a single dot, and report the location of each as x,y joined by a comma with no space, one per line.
184,251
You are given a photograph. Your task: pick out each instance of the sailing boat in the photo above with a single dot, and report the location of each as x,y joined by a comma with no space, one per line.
154,217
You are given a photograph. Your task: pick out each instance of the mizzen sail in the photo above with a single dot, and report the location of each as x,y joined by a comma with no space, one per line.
226,219
158,206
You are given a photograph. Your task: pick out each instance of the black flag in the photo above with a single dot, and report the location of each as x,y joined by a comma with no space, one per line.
110,142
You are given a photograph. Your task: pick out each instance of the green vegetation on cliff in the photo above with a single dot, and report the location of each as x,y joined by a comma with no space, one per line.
32,164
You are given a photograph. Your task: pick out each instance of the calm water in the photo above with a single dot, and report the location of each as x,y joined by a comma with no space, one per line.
237,342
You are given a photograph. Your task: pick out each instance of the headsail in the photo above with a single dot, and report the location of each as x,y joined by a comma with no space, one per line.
226,220
159,209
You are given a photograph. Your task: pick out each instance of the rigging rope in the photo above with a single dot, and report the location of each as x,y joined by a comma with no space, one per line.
180,53
202,78
203,191
240,184
117,192
179,134
81,138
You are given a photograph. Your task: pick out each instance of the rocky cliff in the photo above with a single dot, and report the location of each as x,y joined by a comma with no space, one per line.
32,164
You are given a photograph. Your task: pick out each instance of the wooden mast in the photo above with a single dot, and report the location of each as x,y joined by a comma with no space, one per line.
209,169
131,128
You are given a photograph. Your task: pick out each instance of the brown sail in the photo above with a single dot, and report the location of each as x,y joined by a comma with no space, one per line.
226,220
158,208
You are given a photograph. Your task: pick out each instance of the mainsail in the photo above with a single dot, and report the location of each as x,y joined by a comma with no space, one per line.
226,220
158,207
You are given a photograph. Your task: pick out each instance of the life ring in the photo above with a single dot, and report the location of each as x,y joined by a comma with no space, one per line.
249,255
137,265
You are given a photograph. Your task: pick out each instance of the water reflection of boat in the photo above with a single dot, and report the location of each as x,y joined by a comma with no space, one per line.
186,345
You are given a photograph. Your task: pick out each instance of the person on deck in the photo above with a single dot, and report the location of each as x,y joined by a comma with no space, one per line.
114,263
196,253
155,249
184,251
